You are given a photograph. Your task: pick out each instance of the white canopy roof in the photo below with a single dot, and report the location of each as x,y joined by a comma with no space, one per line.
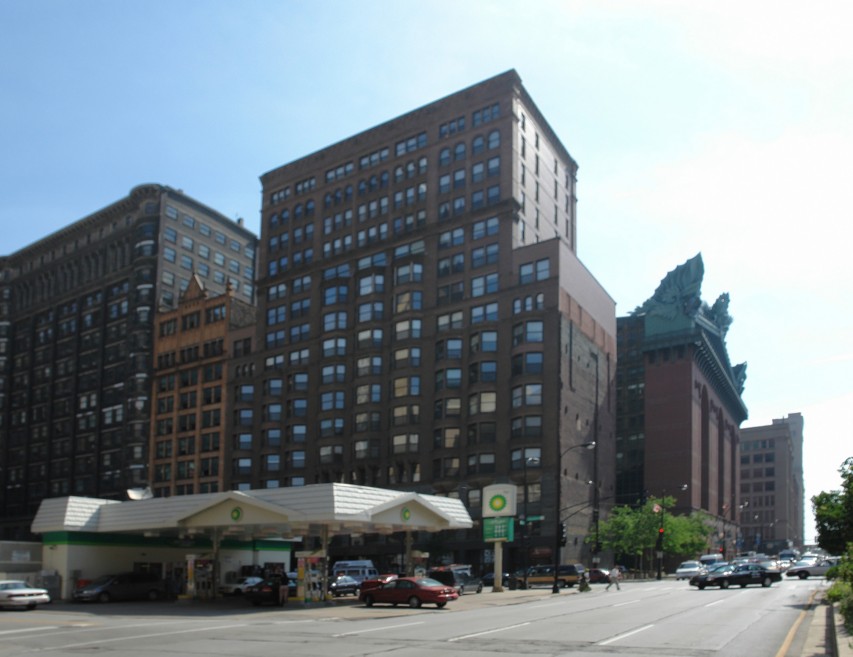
276,512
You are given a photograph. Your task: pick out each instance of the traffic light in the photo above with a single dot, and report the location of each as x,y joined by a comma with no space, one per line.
564,534
660,538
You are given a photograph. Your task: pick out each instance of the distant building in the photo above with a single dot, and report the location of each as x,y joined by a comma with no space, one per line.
194,347
679,405
771,486
77,315
427,324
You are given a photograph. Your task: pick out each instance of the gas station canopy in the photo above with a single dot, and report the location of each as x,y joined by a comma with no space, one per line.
317,509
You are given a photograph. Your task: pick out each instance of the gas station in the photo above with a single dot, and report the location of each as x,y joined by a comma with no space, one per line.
202,539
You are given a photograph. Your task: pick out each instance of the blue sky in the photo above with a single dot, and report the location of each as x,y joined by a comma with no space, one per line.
721,127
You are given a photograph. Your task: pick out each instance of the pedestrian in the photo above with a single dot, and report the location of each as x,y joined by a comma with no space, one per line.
615,576
283,587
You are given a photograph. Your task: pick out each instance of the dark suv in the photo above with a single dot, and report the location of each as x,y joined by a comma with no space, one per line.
459,580
124,586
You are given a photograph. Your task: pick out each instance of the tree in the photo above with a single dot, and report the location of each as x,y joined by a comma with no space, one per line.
634,531
833,511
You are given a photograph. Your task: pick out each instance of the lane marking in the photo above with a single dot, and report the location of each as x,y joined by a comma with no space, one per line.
622,604
718,602
378,629
619,637
139,636
500,629
789,638
31,629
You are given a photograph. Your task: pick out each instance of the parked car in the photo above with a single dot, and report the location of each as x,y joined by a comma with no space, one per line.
805,569
17,594
413,591
567,576
688,569
742,575
344,585
598,576
459,580
124,586
265,592
237,588
488,579
377,581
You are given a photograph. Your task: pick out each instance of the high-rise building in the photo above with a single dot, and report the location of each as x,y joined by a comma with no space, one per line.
76,337
426,323
771,486
679,405
195,346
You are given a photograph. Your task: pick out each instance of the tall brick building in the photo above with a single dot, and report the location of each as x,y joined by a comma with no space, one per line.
771,486
76,337
195,349
427,324
679,404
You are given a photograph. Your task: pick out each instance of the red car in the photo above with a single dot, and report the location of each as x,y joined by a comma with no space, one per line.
413,591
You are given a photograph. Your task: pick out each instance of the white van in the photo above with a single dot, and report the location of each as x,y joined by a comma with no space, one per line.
358,569
709,560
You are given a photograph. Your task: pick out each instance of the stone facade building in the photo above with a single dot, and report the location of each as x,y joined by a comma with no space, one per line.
77,312
679,404
427,324
772,491
193,348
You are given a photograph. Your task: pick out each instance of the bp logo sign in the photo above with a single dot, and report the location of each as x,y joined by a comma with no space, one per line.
236,513
499,500
497,503
405,514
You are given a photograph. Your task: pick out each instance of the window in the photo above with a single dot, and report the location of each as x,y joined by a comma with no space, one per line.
529,426
368,393
334,373
485,371
407,357
527,395
532,331
369,365
484,255
485,228
407,328
407,386
481,285
482,402
485,341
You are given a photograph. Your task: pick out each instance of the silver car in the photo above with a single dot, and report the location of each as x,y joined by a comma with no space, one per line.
805,569
17,594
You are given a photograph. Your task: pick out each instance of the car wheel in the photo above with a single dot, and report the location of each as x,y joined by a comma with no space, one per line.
31,607
743,586
701,587
724,584
462,590
480,588
802,574
368,601
440,605
766,582
104,597
414,602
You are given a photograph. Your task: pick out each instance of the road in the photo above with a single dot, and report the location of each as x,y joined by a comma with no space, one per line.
657,619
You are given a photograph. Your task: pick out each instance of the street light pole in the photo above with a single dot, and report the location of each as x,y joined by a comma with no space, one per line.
558,529
525,542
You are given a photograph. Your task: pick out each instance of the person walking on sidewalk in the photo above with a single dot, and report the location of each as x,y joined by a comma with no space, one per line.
615,576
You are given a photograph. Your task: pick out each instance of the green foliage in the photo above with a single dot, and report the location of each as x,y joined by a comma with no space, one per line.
634,530
833,512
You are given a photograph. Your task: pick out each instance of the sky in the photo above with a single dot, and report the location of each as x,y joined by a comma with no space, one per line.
716,127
